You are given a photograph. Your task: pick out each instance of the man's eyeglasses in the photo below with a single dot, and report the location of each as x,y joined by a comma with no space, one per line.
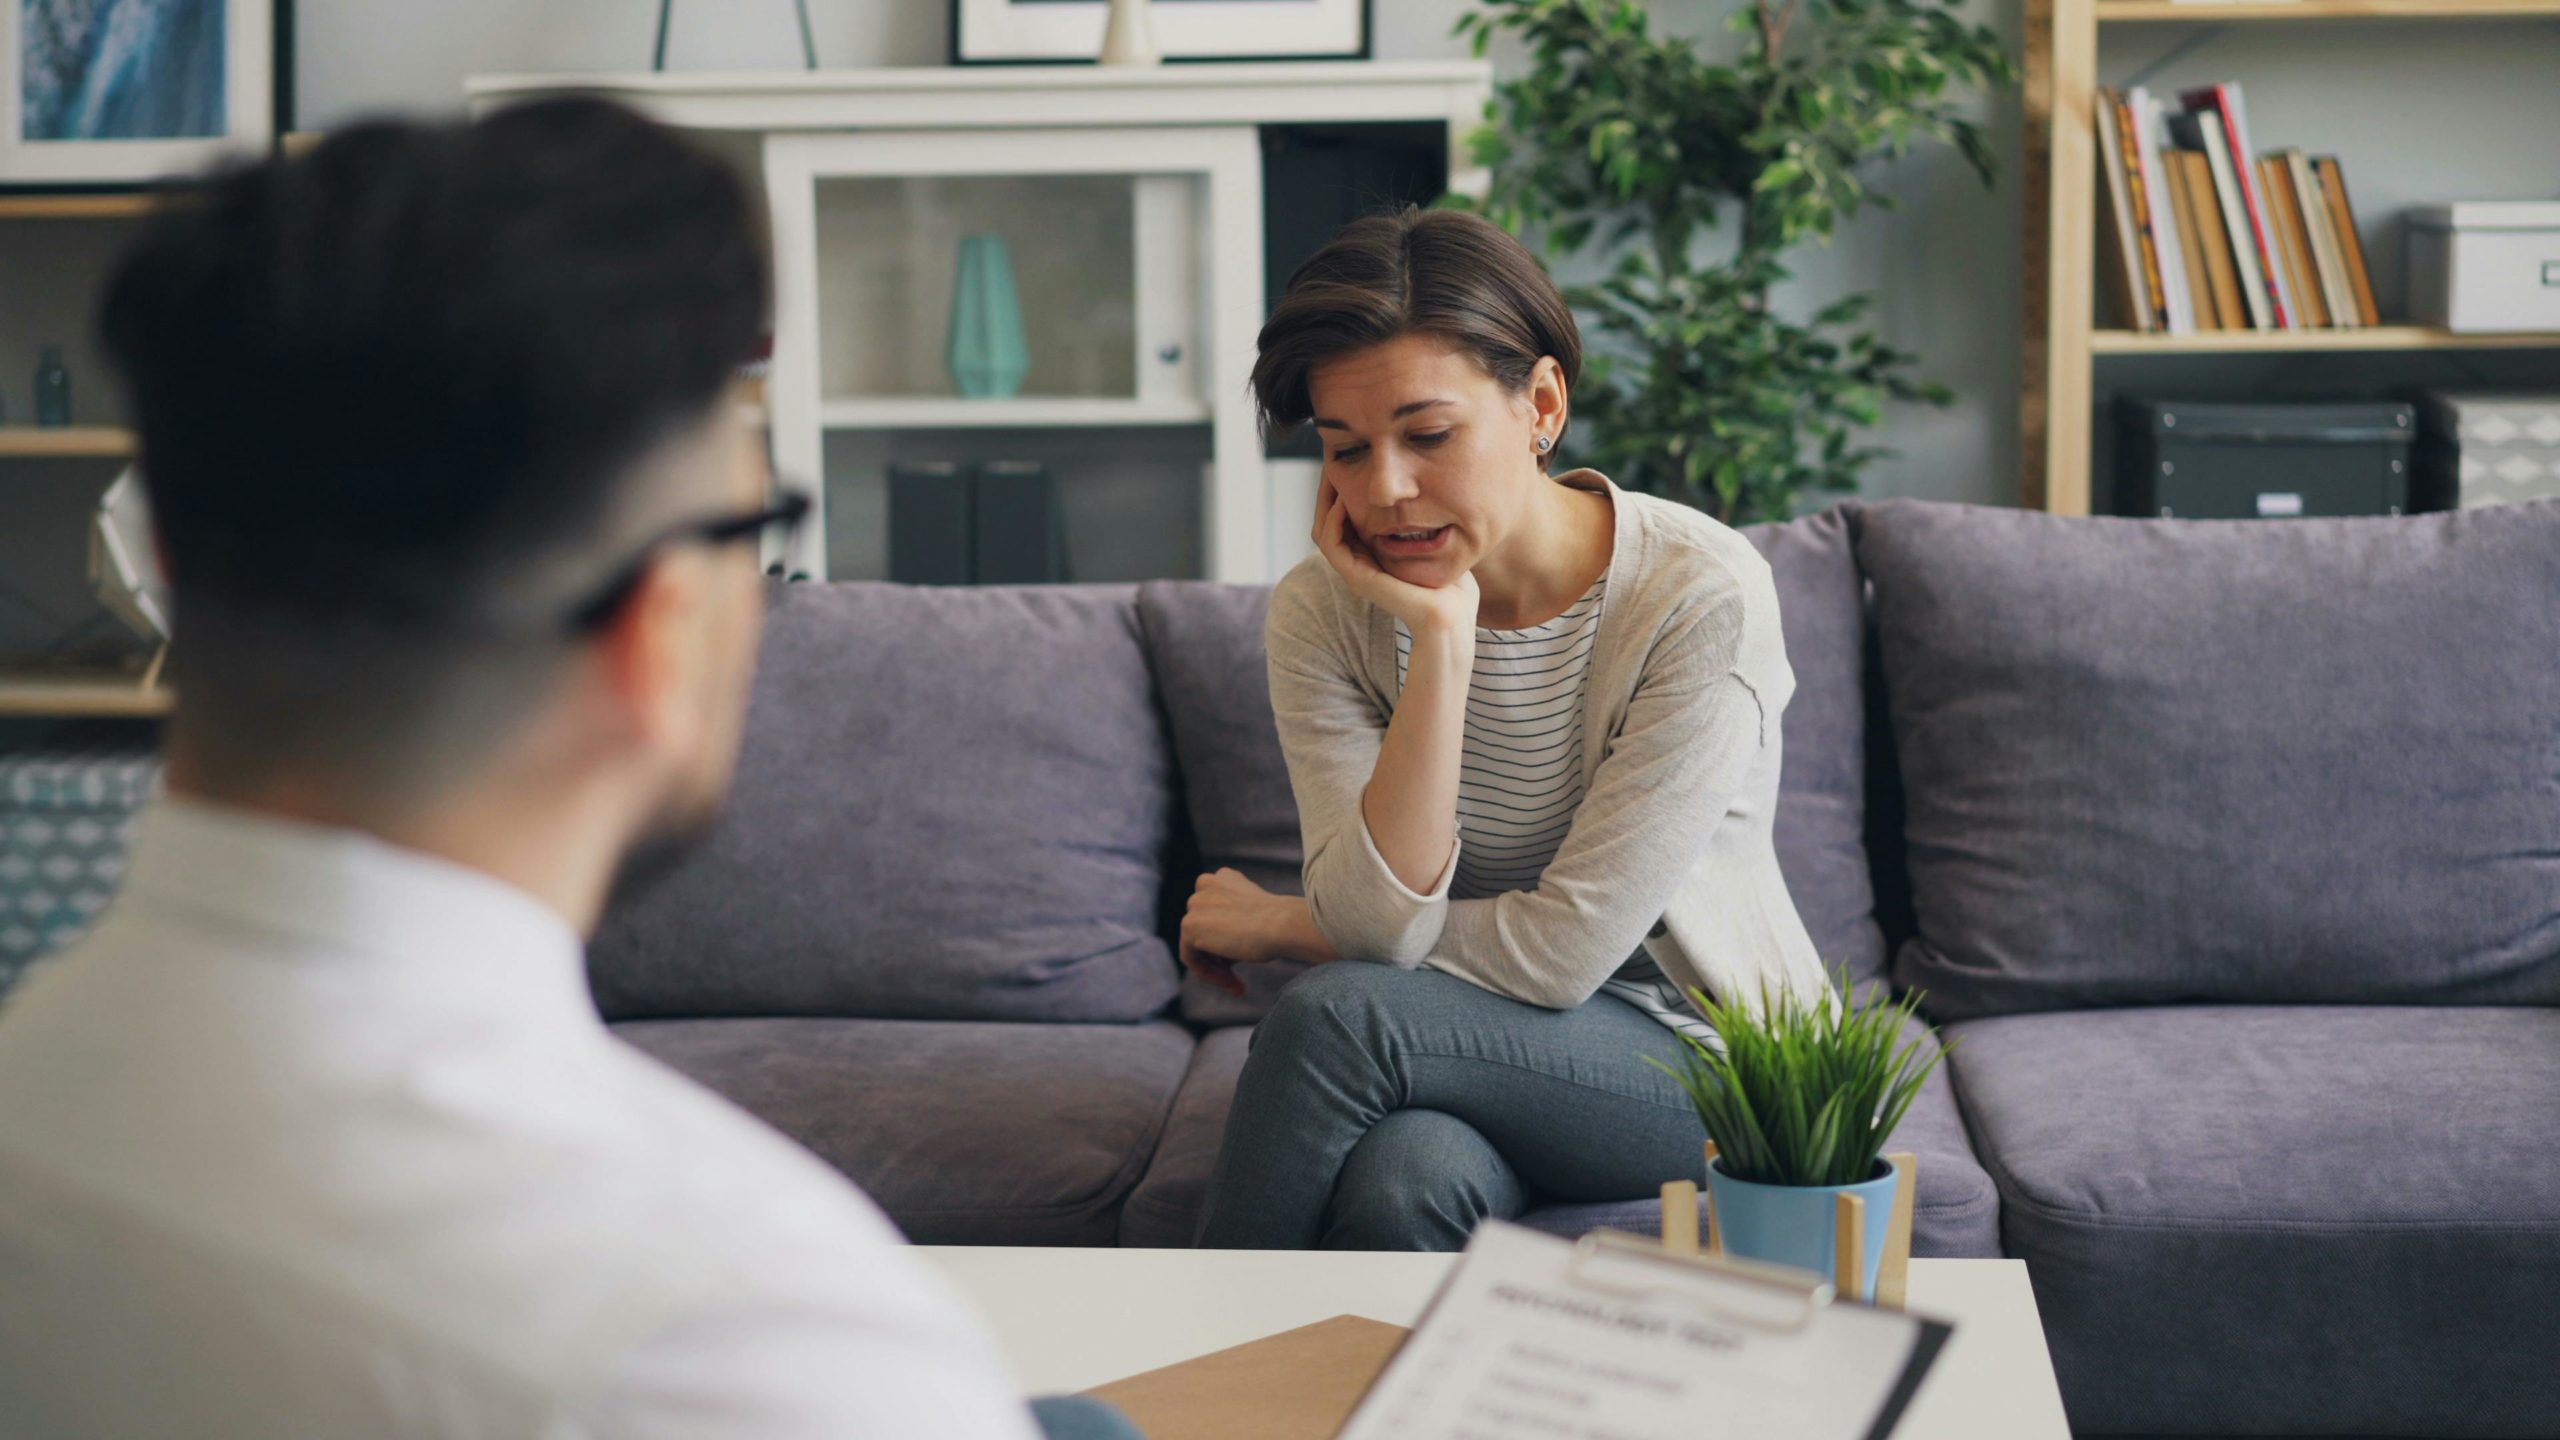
788,509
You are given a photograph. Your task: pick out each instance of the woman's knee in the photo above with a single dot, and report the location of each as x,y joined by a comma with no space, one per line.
1328,1005
1419,1180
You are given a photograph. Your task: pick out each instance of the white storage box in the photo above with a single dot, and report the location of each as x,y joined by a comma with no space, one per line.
2481,447
2486,265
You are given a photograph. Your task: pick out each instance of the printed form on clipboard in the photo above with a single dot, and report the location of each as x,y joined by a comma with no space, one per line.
1614,1338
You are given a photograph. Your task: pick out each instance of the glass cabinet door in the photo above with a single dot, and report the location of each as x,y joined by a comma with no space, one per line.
1057,322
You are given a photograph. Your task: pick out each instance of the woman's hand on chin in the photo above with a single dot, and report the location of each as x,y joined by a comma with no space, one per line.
1446,609
1232,921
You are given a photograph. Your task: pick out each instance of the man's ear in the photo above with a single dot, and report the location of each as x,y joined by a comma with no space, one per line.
646,652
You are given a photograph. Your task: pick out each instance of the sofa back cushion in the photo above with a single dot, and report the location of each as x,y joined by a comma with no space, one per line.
951,804
1206,644
2144,761
1822,793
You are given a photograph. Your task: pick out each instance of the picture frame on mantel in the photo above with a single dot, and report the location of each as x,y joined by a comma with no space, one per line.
138,91
1013,32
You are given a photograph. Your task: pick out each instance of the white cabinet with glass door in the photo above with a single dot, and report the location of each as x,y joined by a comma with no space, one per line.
1132,202
1136,260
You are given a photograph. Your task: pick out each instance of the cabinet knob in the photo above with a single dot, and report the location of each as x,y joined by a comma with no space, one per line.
1170,354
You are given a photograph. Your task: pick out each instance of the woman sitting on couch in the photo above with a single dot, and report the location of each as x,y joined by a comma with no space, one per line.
1532,725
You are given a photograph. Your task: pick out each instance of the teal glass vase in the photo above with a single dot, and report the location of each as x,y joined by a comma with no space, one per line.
988,357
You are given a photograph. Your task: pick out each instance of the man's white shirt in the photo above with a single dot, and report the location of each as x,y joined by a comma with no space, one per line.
315,1136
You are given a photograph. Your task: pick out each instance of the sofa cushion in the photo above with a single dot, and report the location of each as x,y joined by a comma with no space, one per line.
1164,1211
1821,822
2283,1220
951,805
2149,761
967,1134
1205,642
1957,1214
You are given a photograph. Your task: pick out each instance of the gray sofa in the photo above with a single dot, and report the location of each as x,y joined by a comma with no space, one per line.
2230,852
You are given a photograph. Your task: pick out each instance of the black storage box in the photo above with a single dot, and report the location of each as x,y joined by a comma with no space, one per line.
2200,460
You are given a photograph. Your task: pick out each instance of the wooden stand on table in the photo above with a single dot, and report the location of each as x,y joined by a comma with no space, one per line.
1893,1273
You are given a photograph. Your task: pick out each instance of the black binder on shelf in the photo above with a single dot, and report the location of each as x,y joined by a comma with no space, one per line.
1021,532
931,539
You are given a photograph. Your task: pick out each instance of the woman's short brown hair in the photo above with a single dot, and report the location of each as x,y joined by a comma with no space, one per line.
1444,273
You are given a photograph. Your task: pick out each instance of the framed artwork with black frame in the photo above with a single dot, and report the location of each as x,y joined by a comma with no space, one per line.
1014,31
132,92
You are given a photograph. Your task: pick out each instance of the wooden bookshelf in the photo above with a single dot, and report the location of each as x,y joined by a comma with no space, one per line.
2062,342
64,442
123,206
68,694
2381,338
2113,11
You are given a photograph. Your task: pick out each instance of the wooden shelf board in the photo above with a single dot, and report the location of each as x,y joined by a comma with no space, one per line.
77,207
2380,337
2110,11
1020,413
69,693
67,441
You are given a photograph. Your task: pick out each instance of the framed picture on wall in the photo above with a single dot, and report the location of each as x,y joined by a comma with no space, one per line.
125,92
1011,31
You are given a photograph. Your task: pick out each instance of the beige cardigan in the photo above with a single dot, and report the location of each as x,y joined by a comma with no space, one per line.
1680,762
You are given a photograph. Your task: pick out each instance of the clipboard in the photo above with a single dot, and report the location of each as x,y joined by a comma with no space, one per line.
1534,1336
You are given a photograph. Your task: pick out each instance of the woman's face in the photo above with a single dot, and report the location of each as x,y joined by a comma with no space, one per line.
1436,463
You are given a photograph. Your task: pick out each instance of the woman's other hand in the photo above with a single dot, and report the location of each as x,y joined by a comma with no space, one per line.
1449,609
1231,921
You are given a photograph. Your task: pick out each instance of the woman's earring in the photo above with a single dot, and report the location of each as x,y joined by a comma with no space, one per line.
1546,443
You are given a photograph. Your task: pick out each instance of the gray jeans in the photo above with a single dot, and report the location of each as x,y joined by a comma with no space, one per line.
1073,1417
1386,1109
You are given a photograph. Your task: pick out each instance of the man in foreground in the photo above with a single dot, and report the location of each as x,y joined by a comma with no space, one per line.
319,1134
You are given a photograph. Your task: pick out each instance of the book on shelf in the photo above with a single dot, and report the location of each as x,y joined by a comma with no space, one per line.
2198,232
2150,285
2191,253
2228,110
2122,263
2115,269
2204,134
2195,169
2177,307
2333,187
2325,256
2293,255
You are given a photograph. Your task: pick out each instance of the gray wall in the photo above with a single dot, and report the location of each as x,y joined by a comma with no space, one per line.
2416,113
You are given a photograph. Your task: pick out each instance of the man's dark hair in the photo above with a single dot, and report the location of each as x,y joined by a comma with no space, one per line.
1444,273
391,390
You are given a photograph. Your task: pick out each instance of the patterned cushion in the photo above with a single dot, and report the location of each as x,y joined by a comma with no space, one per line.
66,819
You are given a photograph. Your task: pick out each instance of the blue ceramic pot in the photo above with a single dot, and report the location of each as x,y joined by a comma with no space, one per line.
1792,1224
988,356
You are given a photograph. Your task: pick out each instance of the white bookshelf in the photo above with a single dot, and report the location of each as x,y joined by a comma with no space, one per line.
1029,412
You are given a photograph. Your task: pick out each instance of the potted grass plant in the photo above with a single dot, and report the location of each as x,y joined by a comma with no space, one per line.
1800,1097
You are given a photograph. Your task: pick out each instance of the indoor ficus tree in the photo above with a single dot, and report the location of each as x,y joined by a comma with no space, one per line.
1685,180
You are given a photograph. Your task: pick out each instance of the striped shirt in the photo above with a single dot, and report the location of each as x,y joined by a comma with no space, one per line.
1520,774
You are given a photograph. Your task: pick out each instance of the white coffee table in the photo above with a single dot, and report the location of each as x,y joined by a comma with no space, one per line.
1068,1320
